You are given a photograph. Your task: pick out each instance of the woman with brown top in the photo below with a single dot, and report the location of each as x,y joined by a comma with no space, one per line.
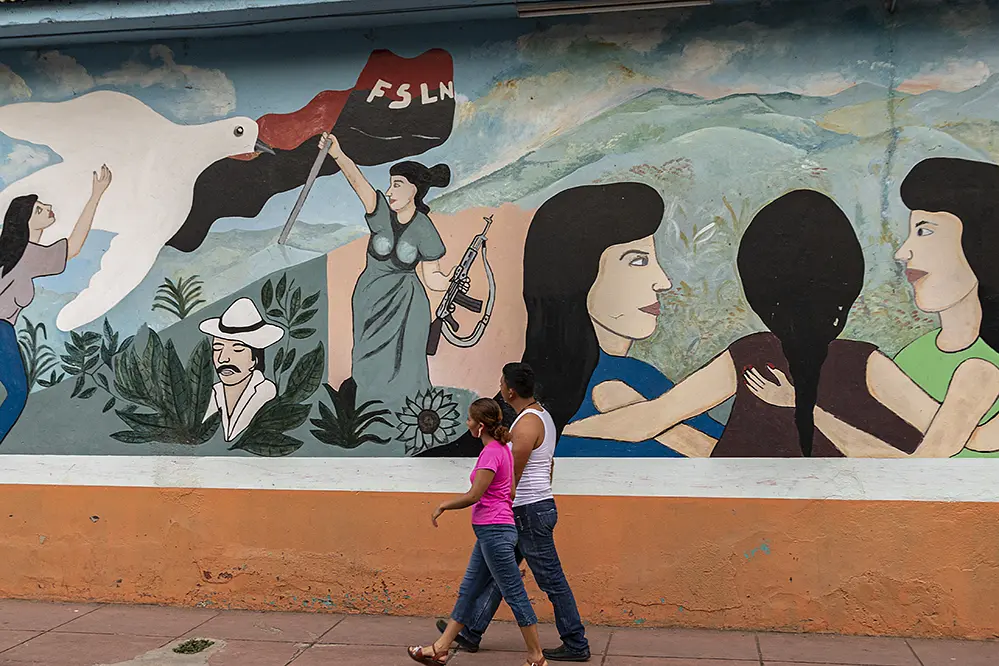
801,268
945,383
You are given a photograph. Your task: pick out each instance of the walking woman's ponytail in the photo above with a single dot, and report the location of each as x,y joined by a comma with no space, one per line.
487,412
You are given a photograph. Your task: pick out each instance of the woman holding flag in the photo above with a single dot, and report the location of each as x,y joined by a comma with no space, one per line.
391,311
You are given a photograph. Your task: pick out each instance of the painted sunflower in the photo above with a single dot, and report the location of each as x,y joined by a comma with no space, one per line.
428,420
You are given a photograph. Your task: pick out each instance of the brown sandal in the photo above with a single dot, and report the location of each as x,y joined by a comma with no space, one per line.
419,654
543,662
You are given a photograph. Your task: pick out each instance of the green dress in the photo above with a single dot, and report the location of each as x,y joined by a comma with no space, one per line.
932,368
391,311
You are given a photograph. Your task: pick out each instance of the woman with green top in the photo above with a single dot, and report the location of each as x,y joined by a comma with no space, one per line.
391,311
945,383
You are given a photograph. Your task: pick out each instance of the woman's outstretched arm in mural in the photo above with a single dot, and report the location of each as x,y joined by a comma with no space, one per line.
365,192
86,221
682,438
431,273
707,388
947,428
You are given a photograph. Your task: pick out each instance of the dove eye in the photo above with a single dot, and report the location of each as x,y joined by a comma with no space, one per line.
238,131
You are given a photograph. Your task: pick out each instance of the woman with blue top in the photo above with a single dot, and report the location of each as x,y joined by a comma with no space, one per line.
591,287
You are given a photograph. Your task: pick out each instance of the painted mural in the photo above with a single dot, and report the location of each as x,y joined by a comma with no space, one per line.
705,245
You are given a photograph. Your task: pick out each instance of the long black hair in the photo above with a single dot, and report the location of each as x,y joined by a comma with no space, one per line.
567,236
970,191
562,252
802,268
423,179
15,234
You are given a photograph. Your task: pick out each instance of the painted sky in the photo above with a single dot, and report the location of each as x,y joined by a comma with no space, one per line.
522,83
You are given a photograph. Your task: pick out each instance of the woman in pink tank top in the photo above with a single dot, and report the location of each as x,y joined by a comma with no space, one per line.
493,558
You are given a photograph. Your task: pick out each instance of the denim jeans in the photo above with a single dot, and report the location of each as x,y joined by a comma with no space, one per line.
14,379
535,527
493,565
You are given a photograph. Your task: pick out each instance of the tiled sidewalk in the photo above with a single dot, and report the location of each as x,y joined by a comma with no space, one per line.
90,634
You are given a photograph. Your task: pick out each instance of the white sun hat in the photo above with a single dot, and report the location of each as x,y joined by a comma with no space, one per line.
243,323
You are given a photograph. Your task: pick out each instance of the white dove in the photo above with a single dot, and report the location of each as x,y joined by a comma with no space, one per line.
155,164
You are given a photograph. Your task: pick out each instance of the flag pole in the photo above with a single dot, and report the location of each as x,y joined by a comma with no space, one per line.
303,195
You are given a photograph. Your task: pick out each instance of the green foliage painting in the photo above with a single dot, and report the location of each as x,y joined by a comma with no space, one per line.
267,433
37,355
179,298
162,399
285,307
346,425
174,396
90,358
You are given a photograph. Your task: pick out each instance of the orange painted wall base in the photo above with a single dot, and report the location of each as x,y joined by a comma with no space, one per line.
887,568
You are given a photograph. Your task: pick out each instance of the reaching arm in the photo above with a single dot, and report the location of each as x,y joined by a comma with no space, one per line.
708,387
360,184
946,427
853,442
683,439
86,222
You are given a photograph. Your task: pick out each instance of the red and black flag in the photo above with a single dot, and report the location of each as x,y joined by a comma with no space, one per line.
400,107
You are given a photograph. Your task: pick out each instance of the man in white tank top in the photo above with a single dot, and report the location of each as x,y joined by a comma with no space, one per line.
533,438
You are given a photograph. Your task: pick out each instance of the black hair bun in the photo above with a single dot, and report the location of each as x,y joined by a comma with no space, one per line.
439,176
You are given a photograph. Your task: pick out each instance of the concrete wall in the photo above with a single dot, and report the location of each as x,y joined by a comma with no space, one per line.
749,254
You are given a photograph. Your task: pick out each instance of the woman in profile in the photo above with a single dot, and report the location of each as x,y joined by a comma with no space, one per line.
22,259
589,302
945,383
391,311
801,268
592,282
493,558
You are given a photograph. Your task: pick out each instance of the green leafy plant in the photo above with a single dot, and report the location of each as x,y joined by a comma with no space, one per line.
285,306
266,435
179,298
346,425
176,396
89,357
37,355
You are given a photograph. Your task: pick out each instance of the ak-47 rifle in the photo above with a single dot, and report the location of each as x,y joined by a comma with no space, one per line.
444,322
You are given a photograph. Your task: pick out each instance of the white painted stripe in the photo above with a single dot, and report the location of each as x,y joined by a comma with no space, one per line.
960,480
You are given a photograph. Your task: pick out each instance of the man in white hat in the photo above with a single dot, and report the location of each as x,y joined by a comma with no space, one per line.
239,338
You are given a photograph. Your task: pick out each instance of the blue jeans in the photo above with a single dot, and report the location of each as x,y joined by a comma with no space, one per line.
536,527
494,565
14,379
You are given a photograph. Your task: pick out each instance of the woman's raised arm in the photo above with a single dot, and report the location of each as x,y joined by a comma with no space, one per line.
360,184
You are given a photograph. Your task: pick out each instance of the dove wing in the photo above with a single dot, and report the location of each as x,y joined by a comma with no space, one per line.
83,125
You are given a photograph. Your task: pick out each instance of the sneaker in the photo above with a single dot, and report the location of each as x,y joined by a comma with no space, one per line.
562,653
463,643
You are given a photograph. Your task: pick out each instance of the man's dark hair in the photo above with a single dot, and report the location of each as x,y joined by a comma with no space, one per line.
258,359
519,377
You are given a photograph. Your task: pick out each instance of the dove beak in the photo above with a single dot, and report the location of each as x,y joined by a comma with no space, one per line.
262,147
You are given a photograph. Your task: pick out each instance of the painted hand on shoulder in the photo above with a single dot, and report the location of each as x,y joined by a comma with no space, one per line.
780,394
614,394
